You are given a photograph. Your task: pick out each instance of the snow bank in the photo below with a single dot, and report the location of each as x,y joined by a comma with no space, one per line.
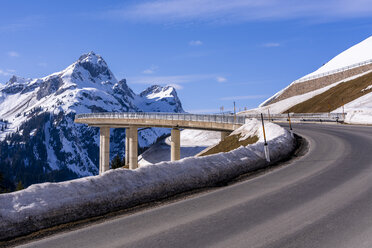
48,204
358,111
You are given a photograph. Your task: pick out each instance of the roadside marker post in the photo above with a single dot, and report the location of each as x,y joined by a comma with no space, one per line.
268,111
266,147
290,126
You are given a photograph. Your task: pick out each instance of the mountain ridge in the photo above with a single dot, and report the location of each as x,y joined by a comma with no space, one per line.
39,140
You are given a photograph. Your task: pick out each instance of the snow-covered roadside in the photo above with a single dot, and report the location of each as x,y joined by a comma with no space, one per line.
44,205
358,111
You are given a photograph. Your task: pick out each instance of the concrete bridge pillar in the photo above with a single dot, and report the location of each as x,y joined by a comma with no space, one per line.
133,148
127,134
224,134
175,144
104,149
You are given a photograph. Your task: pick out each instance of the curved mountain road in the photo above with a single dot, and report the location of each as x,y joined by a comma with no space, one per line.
323,199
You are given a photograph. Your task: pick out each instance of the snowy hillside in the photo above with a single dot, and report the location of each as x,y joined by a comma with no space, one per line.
358,53
298,92
283,105
40,141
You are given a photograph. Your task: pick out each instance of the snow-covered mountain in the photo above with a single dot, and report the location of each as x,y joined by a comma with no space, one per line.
39,140
342,81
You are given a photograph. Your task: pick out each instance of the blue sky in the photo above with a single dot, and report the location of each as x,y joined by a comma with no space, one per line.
213,51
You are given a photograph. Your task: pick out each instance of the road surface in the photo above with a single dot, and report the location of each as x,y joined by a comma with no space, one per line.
323,199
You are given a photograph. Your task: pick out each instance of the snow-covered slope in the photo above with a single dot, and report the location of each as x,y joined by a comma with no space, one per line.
293,95
283,105
356,54
39,134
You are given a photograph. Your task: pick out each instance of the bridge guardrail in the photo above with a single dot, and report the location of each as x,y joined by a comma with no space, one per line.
230,119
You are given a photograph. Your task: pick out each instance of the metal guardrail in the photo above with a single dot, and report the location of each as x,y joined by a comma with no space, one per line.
230,119
302,117
345,68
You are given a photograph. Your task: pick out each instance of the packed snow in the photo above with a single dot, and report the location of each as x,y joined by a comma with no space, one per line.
358,111
46,204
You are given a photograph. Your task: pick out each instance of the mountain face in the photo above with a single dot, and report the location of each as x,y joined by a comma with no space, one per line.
351,65
39,140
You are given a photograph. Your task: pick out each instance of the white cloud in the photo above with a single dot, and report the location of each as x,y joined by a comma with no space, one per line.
241,10
195,43
176,86
150,70
221,79
231,98
13,54
271,44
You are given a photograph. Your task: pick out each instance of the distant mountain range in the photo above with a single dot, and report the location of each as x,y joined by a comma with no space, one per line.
39,140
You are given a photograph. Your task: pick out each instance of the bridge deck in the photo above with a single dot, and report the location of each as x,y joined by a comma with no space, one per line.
165,120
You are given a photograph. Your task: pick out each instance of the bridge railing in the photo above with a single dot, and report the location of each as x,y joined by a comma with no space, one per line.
230,119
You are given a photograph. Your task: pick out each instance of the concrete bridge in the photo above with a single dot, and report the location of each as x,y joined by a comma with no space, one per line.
131,121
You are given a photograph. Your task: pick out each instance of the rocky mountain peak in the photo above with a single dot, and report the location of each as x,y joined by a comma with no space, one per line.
94,64
16,79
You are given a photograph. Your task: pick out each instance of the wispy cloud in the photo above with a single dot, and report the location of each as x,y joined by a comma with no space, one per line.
271,44
231,98
176,86
173,79
6,72
195,43
42,64
13,54
21,23
204,111
150,70
221,79
241,10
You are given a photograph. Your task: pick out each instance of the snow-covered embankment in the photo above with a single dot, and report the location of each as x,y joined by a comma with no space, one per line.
47,204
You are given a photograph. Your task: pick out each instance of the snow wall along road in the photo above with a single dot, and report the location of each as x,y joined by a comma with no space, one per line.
49,204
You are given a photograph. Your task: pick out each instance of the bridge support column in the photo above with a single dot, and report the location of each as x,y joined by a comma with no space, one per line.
175,144
127,134
104,149
224,134
133,148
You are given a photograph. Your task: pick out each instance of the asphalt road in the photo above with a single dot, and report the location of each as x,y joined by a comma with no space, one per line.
323,199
